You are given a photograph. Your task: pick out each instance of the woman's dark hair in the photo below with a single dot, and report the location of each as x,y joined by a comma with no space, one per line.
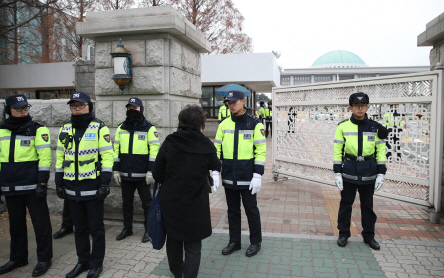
193,117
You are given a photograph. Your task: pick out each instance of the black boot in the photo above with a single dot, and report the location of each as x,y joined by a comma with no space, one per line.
253,249
342,241
62,232
78,269
11,265
124,234
146,238
94,272
231,247
41,268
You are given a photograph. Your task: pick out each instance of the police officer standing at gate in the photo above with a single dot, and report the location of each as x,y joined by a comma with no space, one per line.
135,149
224,111
83,174
25,160
359,164
261,111
268,120
241,145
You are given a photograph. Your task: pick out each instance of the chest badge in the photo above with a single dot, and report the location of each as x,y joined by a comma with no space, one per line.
371,139
25,143
90,136
141,137
247,136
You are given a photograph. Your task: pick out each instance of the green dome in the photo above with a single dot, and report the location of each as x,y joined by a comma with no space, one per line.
339,57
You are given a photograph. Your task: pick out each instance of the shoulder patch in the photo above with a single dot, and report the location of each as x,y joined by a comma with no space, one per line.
344,121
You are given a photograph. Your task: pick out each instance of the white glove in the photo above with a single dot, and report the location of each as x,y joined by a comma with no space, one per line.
117,177
338,181
379,182
149,178
255,184
216,180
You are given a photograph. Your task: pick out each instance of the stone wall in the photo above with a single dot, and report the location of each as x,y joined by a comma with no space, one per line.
85,77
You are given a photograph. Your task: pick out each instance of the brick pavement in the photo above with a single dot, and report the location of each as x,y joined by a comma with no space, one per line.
299,231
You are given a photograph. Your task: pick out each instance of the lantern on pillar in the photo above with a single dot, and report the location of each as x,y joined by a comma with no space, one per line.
122,66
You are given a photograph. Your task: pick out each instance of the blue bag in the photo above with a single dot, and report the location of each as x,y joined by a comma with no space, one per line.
156,230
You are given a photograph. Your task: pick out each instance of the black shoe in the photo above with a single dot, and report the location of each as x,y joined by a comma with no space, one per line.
11,265
62,232
94,272
231,247
342,241
78,269
146,238
41,268
124,234
373,244
253,249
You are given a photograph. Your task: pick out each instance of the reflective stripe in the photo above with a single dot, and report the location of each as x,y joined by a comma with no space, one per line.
106,169
5,138
43,168
60,148
70,192
339,142
116,159
140,133
22,137
350,177
153,142
218,141
87,174
350,133
380,162
369,178
246,131
86,152
238,183
337,162
259,163
124,132
369,133
124,174
228,131
260,141
88,193
69,152
138,175
59,170
46,146
25,187
93,126
70,174
380,142
102,149
116,142
152,159
67,128
5,188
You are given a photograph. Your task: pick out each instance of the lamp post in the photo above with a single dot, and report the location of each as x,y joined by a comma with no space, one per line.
122,66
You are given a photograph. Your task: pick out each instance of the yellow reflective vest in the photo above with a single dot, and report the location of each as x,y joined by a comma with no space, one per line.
359,154
393,119
261,112
83,168
135,150
224,112
25,158
241,145
268,115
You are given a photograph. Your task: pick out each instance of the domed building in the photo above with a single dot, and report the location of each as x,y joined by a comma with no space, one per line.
339,59
339,65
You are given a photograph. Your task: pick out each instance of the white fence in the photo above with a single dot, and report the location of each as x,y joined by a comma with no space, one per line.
305,118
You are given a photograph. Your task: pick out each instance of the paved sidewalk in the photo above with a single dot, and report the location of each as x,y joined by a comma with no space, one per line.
299,240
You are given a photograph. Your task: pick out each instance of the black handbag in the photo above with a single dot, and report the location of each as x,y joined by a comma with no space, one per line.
156,229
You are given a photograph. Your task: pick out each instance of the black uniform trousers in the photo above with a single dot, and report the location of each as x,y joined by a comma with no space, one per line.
88,216
268,123
128,189
66,216
189,267
368,217
18,230
249,201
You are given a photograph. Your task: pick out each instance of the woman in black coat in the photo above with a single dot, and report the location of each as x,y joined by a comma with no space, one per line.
182,166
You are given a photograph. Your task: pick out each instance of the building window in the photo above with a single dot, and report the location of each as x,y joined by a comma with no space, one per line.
211,102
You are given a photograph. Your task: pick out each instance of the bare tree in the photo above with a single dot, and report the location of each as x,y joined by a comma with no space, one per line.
221,22
116,4
149,3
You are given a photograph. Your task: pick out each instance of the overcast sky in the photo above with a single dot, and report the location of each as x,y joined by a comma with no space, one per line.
382,33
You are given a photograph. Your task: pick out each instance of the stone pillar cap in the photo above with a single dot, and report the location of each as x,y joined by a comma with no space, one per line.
159,19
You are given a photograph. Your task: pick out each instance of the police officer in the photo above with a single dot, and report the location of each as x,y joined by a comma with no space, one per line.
394,123
67,226
25,160
135,150
224,112
261,111
359,164
240,143
83,174
268,120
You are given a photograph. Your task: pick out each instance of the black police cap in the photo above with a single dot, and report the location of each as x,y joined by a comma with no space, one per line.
358,98
80,97
16,101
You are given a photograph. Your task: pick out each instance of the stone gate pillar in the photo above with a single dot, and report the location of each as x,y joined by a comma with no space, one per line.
166,67
165,50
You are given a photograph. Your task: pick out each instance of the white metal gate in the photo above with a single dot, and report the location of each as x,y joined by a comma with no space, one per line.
305,118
